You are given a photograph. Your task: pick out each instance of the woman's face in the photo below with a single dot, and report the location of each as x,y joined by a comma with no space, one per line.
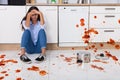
34,16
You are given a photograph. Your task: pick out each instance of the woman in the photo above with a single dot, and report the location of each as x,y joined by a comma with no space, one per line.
34,37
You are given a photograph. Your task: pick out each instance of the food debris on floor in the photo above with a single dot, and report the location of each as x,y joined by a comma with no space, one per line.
18,70
105,62
33,68
97,67
42,72
19,78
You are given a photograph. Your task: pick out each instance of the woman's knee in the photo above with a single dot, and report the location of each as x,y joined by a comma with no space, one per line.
26,32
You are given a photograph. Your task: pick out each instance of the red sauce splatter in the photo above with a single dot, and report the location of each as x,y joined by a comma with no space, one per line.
77,25
92,30
100,61
2,56
95,17
85,29
2,77
2,63
86,35
89,47
34,68
117,46
68,59
6,74
111,41
3,72
103,21
62,55
82,20
86,41
93,46
86,48
73,48
19,78
82,24
110,55
42,72
119,21
114,58
17,71
97,67
11,60
101,45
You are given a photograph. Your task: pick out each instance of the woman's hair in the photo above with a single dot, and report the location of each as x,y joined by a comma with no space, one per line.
30,9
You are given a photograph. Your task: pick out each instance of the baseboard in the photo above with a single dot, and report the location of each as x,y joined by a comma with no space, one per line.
54,46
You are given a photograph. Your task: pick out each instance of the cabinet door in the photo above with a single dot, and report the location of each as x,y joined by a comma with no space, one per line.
50,15
105,21
10,18
105,35
71,29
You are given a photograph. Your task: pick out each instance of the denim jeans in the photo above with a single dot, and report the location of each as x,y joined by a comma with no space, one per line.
27,43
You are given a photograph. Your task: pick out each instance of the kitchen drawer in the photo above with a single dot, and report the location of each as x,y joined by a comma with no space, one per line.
105,20
104,9
105,35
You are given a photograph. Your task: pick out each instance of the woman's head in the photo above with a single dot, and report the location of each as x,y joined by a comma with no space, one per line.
34,16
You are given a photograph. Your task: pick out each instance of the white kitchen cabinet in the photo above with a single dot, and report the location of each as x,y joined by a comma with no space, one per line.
50,15
10,19
70,30
106,20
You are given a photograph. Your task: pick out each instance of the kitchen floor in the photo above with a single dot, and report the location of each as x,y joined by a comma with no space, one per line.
59,65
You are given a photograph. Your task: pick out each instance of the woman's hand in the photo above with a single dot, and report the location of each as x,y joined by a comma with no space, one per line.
36,12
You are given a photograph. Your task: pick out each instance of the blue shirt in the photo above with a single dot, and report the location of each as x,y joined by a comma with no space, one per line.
34,30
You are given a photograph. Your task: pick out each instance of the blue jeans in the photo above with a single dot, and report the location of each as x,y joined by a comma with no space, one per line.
28,44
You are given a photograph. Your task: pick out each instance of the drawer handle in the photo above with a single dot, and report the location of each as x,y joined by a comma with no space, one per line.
109,16
108,30
109,8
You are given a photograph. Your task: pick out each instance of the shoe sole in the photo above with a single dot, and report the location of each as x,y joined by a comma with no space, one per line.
27,62
40,61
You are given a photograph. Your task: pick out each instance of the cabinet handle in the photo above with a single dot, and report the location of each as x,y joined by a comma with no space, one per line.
73,10
109,8
109,16
108,30
1,9
50,9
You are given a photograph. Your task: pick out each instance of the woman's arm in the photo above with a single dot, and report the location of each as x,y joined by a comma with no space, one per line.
42,22
27,23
